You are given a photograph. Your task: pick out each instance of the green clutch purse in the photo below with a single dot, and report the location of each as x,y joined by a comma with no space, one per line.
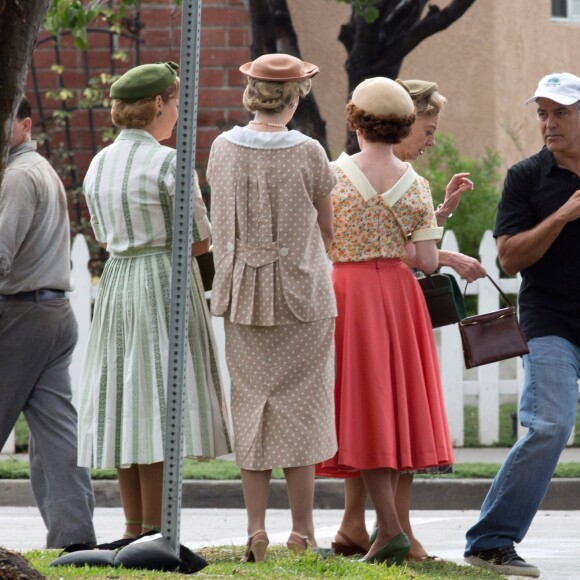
444,299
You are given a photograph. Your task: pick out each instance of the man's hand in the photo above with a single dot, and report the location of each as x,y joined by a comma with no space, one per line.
570,211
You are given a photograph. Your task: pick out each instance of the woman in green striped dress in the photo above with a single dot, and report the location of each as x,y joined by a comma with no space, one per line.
129,189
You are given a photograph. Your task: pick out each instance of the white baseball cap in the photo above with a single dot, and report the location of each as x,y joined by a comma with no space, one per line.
564,88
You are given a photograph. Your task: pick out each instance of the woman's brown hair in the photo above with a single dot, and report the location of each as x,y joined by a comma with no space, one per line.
373,128
139,114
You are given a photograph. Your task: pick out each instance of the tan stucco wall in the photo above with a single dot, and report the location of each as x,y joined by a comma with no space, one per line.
486,64
317,24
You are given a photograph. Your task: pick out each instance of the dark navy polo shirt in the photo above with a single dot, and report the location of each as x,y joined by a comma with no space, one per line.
549,298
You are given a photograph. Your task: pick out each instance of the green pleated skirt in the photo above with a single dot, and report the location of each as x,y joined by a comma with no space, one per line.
122,411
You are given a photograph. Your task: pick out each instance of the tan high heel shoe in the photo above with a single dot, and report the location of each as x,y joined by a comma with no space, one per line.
256,547
300,544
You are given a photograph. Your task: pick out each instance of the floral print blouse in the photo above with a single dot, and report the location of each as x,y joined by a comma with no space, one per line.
370,225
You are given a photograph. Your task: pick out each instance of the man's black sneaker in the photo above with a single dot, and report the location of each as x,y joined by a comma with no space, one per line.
503,561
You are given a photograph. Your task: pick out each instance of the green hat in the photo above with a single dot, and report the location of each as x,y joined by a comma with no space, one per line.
419,89
146,80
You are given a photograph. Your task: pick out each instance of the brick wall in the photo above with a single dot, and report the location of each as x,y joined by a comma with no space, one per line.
225,40
225,45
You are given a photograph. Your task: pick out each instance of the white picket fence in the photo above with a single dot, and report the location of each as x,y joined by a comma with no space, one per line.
485,386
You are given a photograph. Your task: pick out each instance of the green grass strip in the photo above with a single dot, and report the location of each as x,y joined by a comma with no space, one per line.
224,562
219,470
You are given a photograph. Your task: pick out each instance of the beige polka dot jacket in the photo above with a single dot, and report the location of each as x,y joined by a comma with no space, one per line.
271,266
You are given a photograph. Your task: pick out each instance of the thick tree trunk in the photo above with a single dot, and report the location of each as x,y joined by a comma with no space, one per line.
262,27
273,31
16,567
20,21
378,49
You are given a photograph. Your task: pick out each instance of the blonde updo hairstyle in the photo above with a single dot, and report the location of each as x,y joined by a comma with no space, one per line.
139,114
273,97
429,106
376,128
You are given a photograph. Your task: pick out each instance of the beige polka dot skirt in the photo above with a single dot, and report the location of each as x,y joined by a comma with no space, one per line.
282,393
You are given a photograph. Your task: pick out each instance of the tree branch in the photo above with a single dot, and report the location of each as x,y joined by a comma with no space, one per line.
396,21
435,21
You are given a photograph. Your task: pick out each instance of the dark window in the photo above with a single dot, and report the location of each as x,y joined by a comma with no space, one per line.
560,8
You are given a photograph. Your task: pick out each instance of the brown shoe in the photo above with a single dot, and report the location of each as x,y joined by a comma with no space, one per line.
348,547
298,543
256,547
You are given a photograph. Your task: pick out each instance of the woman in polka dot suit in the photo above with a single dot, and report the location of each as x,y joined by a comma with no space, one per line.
272,225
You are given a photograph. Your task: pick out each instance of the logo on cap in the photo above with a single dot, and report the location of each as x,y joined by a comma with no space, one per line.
553,82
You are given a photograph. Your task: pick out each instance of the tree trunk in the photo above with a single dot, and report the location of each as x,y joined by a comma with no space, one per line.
378,48
273,31
20,21
16,567
262,27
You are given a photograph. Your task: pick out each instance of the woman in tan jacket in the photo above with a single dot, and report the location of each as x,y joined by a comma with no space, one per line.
272,224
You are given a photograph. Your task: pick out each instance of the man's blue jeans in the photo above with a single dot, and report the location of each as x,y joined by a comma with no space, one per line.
548,410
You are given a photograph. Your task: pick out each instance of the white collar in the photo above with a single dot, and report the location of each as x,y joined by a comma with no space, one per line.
265,140
364,187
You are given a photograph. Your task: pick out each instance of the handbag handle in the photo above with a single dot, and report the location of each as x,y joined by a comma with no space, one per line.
504,295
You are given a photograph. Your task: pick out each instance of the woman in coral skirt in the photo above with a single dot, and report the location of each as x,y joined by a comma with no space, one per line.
390,415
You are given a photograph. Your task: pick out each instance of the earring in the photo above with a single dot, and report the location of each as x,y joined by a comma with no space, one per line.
159,113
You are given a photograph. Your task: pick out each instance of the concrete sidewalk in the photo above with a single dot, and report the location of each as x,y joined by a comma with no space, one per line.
428,494
551,544
498,454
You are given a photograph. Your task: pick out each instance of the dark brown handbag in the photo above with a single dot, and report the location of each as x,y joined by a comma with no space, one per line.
491,337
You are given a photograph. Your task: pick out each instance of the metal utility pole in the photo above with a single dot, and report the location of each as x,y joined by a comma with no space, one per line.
184,233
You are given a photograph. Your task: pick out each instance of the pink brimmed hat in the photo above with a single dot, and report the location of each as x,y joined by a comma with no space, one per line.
279,68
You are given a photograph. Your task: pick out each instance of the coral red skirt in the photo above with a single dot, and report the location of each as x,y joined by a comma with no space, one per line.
389,404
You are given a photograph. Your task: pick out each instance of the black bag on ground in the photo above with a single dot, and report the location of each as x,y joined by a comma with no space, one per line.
151,551
444,299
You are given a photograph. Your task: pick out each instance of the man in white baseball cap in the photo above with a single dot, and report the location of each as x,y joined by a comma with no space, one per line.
537,231
564,88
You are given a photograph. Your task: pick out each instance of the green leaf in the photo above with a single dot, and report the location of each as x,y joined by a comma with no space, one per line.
371,14
368,9
120,55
